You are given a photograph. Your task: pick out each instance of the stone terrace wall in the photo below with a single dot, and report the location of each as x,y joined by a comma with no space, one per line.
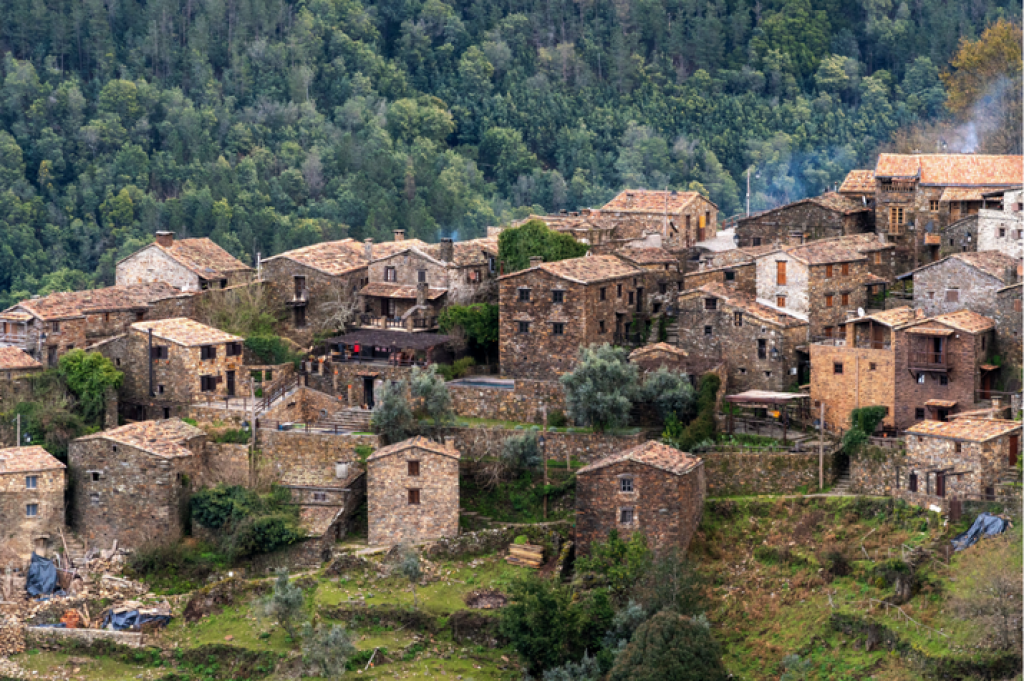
212,416
305,405
289,451
742,473
877,477
226,464
475,443
527,402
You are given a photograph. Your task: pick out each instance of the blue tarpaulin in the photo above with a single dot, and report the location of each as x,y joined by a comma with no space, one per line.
42,576
132,620
985,525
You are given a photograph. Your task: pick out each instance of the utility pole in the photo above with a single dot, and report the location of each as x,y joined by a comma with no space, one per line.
17,443
544,454
821,447
748,190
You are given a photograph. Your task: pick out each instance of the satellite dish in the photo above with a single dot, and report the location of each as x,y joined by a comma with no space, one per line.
860,311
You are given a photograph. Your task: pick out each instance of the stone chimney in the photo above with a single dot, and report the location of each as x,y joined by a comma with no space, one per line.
399,234
630,199
110,408
918,313
536,260
165,239
421,293
447,249
584,211
368,249
997,402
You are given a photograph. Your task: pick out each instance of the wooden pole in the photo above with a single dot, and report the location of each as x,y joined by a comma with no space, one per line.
821,448
544,453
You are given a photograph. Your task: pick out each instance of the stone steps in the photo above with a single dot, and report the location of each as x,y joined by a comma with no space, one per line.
842,485
347,419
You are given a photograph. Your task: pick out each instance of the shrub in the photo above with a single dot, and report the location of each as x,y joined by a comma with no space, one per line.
409,567
285,604
516,245
392,417
600,390
236,436
521,451
863,422
557,419
432,396
326,650
363,452
88,375
521,539
621,563
248,523
272,350
702,428
669,647
671,394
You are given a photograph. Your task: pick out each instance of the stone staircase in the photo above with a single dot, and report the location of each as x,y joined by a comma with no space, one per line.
842,486
349,419
76,547
673,333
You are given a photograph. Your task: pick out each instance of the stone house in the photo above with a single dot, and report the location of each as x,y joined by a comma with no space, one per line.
964,458
50,326
760,345
681,218
734,268
824,281
663,270
186,264
15,363
133,482
31,499
550,310
413,492
859,185
1009,324
918,195
170,363
915,366
994,227
651,488
817,217
963,280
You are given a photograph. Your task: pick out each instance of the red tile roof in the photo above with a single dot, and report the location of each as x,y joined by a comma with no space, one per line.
969,429
330,257
590,269
12,359
418,442
967,321
993,263
185,331
27,460
896,316
750,306
829,201
650,201
650,453
165,439
203,257
70,304
858,182
647,256
962,170
824,251
964,194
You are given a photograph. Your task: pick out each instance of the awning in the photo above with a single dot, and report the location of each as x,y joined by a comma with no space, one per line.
765,397
988,367
402,340
942,404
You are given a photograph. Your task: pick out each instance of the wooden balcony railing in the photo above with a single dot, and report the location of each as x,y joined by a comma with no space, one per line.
929,361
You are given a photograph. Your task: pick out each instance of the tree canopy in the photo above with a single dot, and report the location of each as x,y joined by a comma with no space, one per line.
517,245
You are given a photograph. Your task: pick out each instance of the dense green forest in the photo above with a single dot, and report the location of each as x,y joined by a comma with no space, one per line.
272,124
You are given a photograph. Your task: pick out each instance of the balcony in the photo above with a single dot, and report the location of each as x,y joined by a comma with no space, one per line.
299,298
929,361
367,321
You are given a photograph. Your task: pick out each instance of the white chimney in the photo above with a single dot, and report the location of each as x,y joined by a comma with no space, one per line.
341,470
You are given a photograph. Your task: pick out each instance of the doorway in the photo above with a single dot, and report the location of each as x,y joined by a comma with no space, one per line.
368,391
1014,448
231,383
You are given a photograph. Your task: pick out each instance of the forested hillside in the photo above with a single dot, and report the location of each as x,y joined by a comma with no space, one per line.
272,124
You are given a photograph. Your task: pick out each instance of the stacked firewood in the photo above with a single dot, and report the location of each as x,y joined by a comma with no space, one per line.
525,555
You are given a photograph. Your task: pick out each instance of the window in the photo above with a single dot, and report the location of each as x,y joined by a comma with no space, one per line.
139,316
233,350
743,371
780,273
524,295
557,328
767,374
618,290
943,380
958,447
1002,232
414,497
730,275
1017,307
780,301
31,481
919,413
94,499
829,298
630,297
159,389
626,516
837,367
299,316
421,276
829,331
663,288
952,295
106,317
755,241
603,294
390,274
897,218
762,348
844,269
931,295
828,271
31,510
920,379
711,303
737,318
414,468
95,475
845,299
319,496
872,366
878,258
626,484
207,383
524,327
55,327
600,326
558,296
208,352
159,352
167,413
933,205
708,331
912,482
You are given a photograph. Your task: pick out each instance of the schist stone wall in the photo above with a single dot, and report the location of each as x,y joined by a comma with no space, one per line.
17,529
226,464
1007,315
305,405
846,378
983,464
953,285
475,443
528,401
666,507
739,278
393,518
742,473
806,218
124,493
280,275
291,452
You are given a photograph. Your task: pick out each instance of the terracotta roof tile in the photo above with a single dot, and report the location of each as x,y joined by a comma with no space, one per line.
646,256
750,306
969,429
964,170
474,251
967,321
829,200
858,182
419,442
316,520
650,201
590,268
824,251
161,438
650,453
15,358
204,257
27,460
329,257
386,249
897,316
964,193
185,331
994,263
384,290
70,304
657,349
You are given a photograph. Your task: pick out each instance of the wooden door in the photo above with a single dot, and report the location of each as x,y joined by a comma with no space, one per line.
877,337
1014,448
231,383
940,484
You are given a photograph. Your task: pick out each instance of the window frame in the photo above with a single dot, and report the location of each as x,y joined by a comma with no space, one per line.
626,484
413,468
413,497
31,482
32,510
557,328
524,294
558,296
522,326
